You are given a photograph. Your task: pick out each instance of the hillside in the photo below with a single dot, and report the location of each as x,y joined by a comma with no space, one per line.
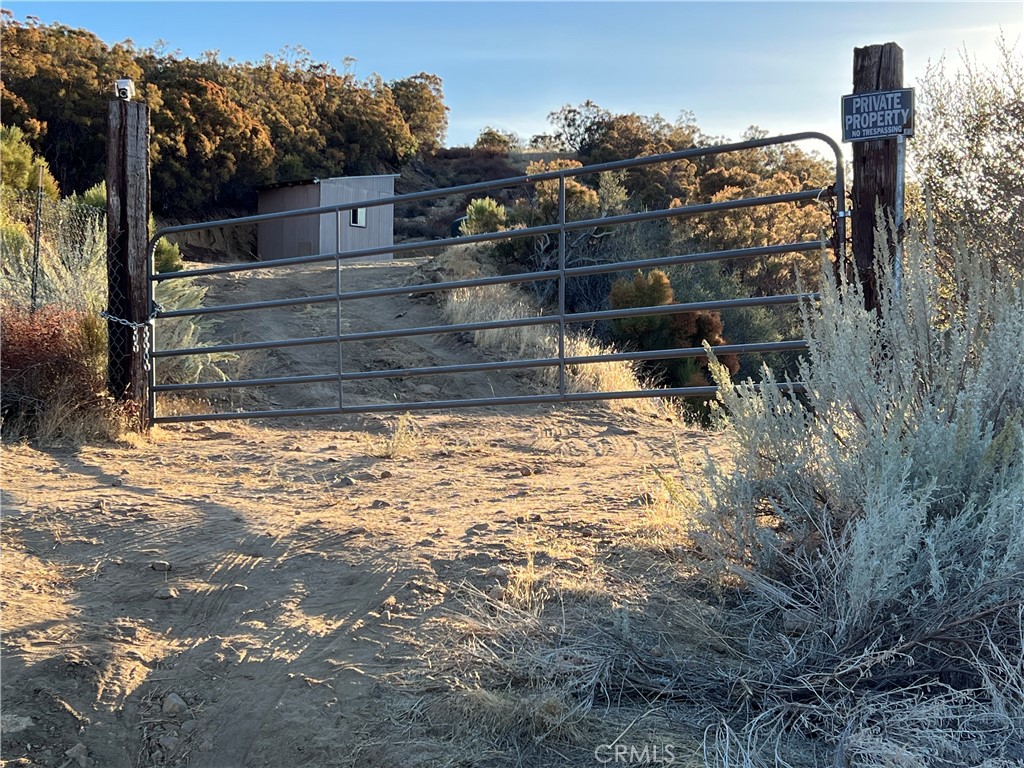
447,168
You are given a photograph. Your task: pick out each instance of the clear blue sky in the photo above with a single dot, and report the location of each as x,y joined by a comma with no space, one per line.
782,66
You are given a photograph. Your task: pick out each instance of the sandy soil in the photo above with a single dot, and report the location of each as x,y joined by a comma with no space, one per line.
236,594
357,316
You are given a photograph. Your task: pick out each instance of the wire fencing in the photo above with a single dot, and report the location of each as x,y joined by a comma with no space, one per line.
53,252
54,256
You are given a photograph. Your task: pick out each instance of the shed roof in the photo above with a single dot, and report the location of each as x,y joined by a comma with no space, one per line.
304,182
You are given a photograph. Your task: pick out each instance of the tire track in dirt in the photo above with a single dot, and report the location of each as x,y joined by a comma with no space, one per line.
383,313
284,656
268,617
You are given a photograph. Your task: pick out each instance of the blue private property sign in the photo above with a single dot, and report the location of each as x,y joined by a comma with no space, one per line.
878,115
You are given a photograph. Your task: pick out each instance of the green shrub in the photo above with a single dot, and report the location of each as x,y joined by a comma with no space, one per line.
483,215
650,290
652,332
167,255
872,532
71,269
713,281
15,240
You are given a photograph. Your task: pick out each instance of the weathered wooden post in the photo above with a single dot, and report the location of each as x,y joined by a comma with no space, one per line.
128,255
878,71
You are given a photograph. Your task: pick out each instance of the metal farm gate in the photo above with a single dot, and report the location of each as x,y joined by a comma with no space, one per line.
333,300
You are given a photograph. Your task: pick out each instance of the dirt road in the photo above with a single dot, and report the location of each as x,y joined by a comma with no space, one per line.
242,595
382,313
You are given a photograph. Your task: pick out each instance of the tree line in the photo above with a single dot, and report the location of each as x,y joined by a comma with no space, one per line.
219,128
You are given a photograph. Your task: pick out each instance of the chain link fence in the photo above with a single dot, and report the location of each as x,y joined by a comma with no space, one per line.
54,255
53,252
53,286
122,337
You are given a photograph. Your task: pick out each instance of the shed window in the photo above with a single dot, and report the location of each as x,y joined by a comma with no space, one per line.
358,217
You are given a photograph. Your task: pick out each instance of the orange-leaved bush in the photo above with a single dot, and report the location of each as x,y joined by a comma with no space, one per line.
51,362
652,332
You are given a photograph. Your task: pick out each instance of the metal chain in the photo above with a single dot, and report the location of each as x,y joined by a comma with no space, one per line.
146,352
833,216
829,202
827,199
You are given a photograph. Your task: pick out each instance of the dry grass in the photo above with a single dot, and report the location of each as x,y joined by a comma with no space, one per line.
505,302
552,678
52,362
403,438
567,653
64,418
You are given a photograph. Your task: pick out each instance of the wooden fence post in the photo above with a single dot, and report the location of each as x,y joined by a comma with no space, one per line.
128,255
875,68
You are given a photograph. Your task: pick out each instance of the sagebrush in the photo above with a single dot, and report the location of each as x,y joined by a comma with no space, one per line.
872,531
71,266
846,588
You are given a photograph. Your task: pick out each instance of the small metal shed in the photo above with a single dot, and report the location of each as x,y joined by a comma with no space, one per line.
308,235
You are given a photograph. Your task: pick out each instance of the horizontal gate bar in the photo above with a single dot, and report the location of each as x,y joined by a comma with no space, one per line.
695,258
315,378
581,317
394,373
517,181
362,336
401,290
224,416
497,365
275,344
322,298
796,345
571,397
508,234
522,277
695,210
391,373
693,306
